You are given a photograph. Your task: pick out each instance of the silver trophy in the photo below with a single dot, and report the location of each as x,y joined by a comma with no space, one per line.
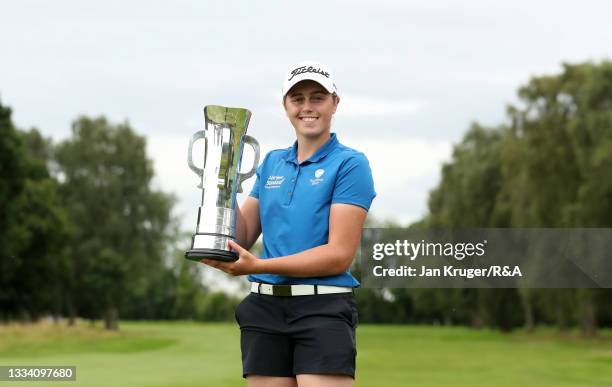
220,179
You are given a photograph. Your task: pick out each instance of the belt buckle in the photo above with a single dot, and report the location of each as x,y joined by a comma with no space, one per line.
281,290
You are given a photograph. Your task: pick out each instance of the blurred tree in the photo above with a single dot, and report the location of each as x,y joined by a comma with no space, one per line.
470,196
550,167
123,226
218,306
467,195
13,170
190,292
564,131
33,228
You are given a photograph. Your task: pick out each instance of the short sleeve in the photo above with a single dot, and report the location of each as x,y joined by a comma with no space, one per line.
255,190
354,183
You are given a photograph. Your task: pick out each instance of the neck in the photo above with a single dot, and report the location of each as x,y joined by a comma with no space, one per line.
308,146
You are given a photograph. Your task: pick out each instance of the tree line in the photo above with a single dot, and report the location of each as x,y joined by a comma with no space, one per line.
84,233
549,166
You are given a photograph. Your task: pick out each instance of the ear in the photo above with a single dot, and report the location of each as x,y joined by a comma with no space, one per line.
336,102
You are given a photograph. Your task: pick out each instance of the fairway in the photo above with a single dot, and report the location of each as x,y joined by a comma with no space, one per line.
189,354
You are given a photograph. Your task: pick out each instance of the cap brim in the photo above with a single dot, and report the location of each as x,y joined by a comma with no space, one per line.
329,86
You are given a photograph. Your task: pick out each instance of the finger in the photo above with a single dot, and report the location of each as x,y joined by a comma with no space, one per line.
222,265
210,262
235,246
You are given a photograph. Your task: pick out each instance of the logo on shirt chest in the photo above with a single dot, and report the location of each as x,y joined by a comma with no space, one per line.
274,181
318,177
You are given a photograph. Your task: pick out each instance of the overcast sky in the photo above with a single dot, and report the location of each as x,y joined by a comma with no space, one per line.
412,75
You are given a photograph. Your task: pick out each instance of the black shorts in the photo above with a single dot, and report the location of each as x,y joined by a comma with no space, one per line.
288,336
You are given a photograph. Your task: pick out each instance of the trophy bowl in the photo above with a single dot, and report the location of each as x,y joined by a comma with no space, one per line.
224,137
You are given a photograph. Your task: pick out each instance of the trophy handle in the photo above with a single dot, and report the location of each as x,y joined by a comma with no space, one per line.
243,176
196,136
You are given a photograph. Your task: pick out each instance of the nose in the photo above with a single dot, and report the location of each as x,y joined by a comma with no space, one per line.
306,107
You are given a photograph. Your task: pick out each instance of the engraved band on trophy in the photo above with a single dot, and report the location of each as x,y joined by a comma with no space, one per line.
220,179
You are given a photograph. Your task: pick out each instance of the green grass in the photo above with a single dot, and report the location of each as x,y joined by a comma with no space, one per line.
185,354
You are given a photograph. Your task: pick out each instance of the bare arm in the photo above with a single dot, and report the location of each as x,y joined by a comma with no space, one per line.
334,257
248,225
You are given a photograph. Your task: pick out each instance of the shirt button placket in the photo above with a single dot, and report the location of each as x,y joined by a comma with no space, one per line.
292,185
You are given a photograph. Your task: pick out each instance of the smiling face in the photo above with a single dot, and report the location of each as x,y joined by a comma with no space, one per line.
310,109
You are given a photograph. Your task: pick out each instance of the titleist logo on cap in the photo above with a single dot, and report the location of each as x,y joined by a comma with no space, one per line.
309,69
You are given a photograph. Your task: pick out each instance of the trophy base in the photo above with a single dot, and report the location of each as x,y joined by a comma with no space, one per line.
217,255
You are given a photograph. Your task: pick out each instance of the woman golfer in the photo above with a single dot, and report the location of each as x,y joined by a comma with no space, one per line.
310,202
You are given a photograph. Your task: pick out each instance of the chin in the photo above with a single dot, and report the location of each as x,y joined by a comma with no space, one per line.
312,132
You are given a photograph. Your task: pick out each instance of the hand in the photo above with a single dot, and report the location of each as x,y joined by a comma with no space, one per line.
247,263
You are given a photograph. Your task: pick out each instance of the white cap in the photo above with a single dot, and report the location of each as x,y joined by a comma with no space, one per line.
309,70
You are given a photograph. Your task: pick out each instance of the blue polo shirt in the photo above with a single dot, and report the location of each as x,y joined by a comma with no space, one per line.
295,199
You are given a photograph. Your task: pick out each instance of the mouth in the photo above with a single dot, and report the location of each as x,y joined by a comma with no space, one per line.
308,119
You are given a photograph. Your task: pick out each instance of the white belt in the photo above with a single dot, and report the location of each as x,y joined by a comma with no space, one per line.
297,290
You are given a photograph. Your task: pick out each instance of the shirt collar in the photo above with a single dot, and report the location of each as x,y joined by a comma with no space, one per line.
318,155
